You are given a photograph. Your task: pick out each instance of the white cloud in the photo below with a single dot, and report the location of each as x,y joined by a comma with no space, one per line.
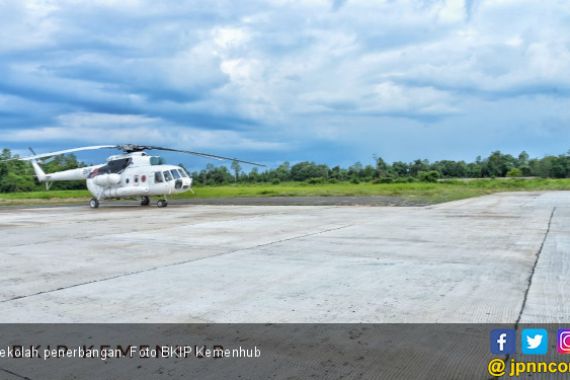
227,38
452,11
26,24
135,129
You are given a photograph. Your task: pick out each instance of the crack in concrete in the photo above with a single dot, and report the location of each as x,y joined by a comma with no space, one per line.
530,277
14,374
172,264
533,269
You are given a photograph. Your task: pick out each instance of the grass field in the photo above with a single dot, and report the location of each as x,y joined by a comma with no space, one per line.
417,191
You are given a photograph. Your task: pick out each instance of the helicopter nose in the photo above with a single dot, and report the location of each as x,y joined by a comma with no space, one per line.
182,184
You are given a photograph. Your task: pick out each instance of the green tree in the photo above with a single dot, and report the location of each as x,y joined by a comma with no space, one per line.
498,164
382,169
523,163
418,166
401,169
236,168
307,170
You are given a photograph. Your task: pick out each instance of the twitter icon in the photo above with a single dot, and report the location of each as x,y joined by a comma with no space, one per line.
534,341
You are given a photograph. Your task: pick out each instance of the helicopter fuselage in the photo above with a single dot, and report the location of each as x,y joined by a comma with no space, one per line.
136,175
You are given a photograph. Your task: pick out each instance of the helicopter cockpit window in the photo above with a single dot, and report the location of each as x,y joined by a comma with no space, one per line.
158,177
175,173
167,176
183,173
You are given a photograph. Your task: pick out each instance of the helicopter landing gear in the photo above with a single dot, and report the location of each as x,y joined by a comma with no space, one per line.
94,203
162,203
145,201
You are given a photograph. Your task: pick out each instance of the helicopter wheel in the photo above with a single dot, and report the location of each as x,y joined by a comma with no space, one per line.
145,201
162,203
94,203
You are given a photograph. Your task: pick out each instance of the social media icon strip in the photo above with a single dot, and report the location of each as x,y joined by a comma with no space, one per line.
503,341
563,341
534,341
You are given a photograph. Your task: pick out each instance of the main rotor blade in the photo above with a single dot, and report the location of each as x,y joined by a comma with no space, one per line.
206,155
129,149
51,154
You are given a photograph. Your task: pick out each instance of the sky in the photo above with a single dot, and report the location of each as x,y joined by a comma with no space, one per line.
332,81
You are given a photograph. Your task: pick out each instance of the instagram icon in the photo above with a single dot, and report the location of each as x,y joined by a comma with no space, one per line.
563,344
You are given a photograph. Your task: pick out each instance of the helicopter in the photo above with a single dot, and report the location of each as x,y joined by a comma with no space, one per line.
132,174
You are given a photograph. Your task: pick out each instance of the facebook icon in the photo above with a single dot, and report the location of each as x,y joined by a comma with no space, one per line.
503,341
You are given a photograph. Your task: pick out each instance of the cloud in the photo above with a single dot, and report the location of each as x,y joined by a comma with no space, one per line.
287,79
452,11
86,128
337,4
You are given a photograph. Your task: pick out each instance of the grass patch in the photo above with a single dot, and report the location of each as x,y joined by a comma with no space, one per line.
418,191
428,192
44,197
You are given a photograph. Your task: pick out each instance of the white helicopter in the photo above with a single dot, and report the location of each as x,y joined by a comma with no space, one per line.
131,174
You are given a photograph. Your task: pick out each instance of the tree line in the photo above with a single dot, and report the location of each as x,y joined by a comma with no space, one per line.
18,176
496,164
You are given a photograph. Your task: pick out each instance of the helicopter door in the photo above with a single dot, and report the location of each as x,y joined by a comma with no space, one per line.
160,185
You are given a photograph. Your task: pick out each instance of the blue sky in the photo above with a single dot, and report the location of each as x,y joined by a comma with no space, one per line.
331,81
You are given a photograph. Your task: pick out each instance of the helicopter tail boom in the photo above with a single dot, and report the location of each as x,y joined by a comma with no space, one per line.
42,177
65,175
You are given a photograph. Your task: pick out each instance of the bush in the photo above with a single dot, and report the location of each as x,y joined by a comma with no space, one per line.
514,172
383,180
428,176
316,181
275,182
355,181
404,180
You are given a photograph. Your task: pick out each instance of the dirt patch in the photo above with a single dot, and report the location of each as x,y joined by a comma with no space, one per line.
306,201
237,201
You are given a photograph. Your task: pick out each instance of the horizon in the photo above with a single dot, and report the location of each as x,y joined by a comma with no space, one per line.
170,159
